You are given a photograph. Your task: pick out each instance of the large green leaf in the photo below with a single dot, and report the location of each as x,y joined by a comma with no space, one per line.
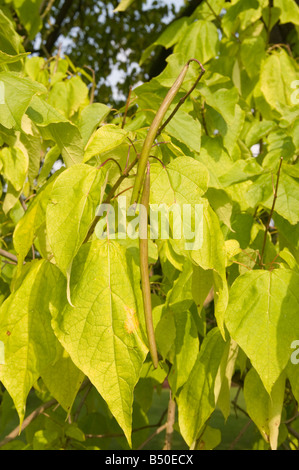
196,401
186,129
211,255
10,43
29,14
264,409
54,126
262,317
15,96
25,329
90,117
199,41
105,138
63,380
286,204
32,221
15,166
289,11
68,95
101,333
277,73
74,198
183,180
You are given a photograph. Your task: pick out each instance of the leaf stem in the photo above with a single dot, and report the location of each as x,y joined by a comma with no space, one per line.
143,257
271,214
126,108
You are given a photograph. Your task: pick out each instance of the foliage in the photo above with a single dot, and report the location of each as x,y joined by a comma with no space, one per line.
225,313
93,36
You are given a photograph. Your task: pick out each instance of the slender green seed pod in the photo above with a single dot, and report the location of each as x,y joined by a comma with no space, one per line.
145,283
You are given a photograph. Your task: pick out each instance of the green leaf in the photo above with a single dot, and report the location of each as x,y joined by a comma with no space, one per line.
184,180
286,205
91,117
264,409
54,126
9,59
210,439
196,401
15,166
277,73
170,36
16,94
185,349
200,40
10,42
186,129
105,138
63,380
30,343
289,11
74,198
211,255
32,221
101,333
67,96
50,158
29,14
224,378
265,303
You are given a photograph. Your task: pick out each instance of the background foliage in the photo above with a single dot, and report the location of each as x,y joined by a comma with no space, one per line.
75,369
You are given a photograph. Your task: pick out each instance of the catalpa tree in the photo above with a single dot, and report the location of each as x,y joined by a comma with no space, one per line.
149,254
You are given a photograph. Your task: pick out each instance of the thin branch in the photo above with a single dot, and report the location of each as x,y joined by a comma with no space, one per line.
241,433
126,108
8,255
93,86
158,431
38,411
113,160
293,432
78,410
23,204
271,213
141,428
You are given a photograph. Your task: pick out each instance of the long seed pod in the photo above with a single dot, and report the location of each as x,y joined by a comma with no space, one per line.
143,255
155,126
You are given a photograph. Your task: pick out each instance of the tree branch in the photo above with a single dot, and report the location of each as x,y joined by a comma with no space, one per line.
8,255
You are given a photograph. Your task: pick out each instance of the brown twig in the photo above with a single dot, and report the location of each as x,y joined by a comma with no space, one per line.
38,411
8,255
